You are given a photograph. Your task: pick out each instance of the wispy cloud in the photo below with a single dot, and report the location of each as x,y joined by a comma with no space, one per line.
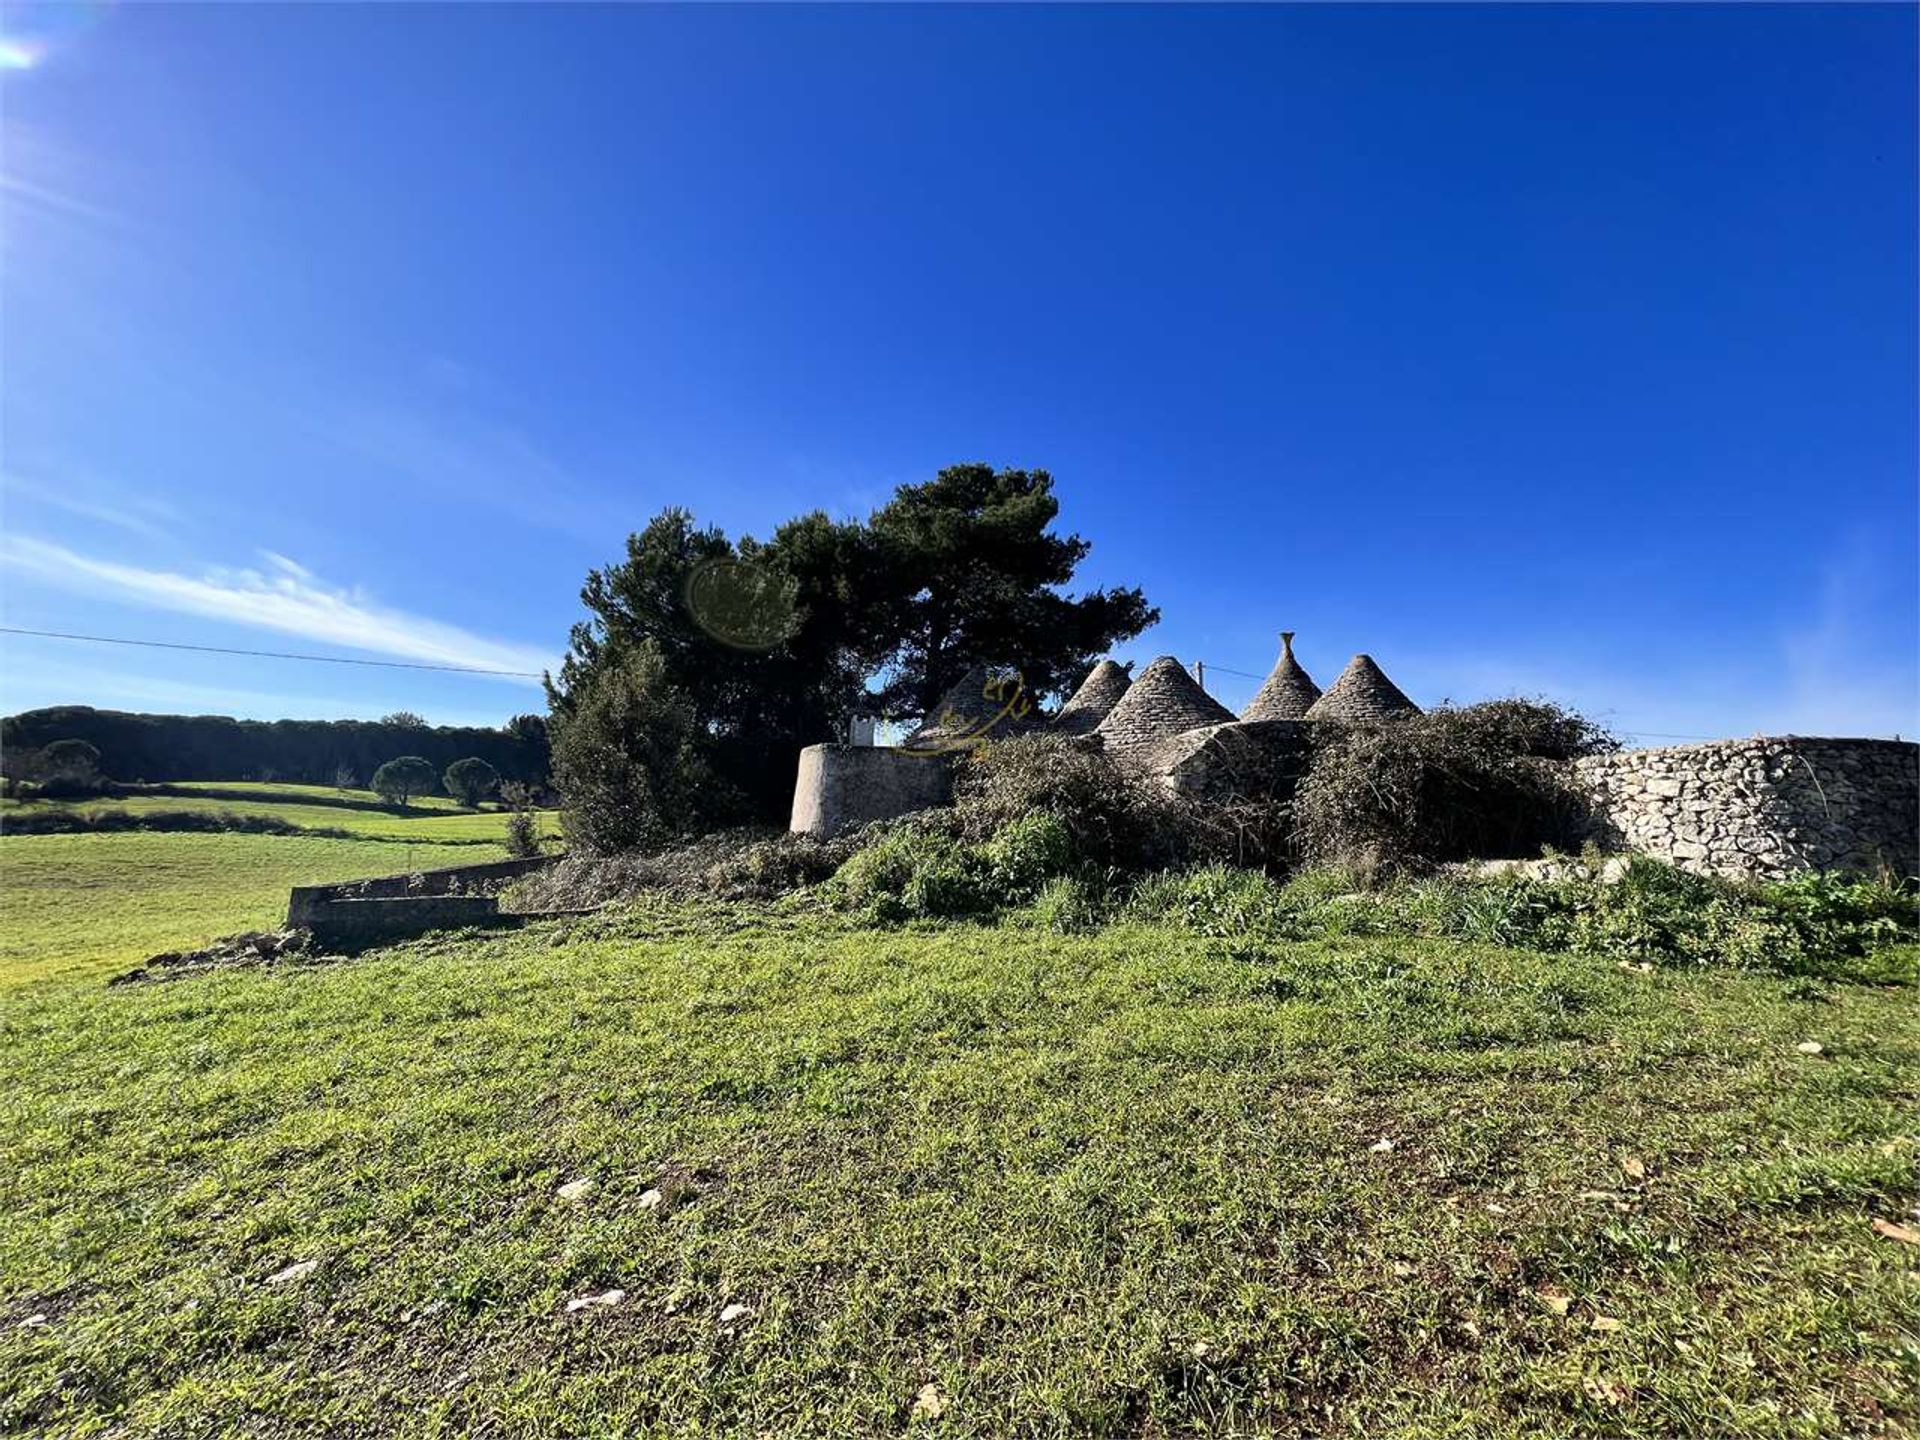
1839,679
25,192
284,598
138,516
1848,668
476,459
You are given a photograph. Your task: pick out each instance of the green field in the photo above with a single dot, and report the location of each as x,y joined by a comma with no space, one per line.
1131,1183
92,905
430,820
95,904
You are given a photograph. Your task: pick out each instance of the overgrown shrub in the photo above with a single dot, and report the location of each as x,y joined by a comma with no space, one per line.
1656,913
523,825
1110,817
744,863
1452,784
627,760
923,869
1023,856
523,835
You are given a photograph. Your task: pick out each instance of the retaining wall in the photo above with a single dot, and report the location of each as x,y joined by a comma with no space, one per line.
1767,808
390,907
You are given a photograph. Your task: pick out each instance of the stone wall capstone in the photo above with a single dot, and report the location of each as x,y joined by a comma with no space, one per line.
1763,808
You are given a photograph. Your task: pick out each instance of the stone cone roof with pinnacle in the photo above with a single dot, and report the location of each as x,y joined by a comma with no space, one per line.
1289,692
1097,696
1163,701
1362,695
985,704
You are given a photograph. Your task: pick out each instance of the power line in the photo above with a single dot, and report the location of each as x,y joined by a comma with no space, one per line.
268,654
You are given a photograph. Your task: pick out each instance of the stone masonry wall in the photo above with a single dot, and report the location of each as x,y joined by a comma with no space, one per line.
1764,808
840,787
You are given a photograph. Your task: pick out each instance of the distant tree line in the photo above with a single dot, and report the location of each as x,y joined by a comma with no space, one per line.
316,752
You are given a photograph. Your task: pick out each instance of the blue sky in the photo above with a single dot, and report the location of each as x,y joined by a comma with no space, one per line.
1552,350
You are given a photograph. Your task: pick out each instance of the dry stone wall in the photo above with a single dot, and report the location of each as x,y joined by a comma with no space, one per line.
1766,808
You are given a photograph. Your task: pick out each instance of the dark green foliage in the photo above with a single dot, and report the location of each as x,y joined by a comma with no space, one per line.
1452,784
523,826
405,720
65,821
471,780
401,779
752,709
63,769
79,759
771,645
628,755
217,747
529,734
971,572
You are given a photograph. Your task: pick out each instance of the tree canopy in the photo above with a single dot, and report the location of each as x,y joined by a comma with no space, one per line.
470,780
773,645
403,778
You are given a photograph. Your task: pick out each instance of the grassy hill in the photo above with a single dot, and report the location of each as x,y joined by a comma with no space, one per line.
1137,1182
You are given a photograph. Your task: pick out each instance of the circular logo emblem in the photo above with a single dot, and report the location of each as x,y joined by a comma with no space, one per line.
738,603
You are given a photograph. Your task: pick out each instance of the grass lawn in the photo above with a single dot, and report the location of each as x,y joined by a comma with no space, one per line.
1132,1183
91,905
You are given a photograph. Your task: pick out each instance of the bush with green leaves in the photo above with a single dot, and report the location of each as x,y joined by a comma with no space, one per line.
628,761
401,779
1654,913
471,780
1455,783
924,870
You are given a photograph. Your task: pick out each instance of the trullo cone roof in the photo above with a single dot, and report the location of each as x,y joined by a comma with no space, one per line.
1362,694
1289,692
983,704
1097,695
1164,701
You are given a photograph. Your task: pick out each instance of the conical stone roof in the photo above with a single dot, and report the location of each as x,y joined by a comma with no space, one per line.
984,704
1163,701
1289,692
1097,695
1363,694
